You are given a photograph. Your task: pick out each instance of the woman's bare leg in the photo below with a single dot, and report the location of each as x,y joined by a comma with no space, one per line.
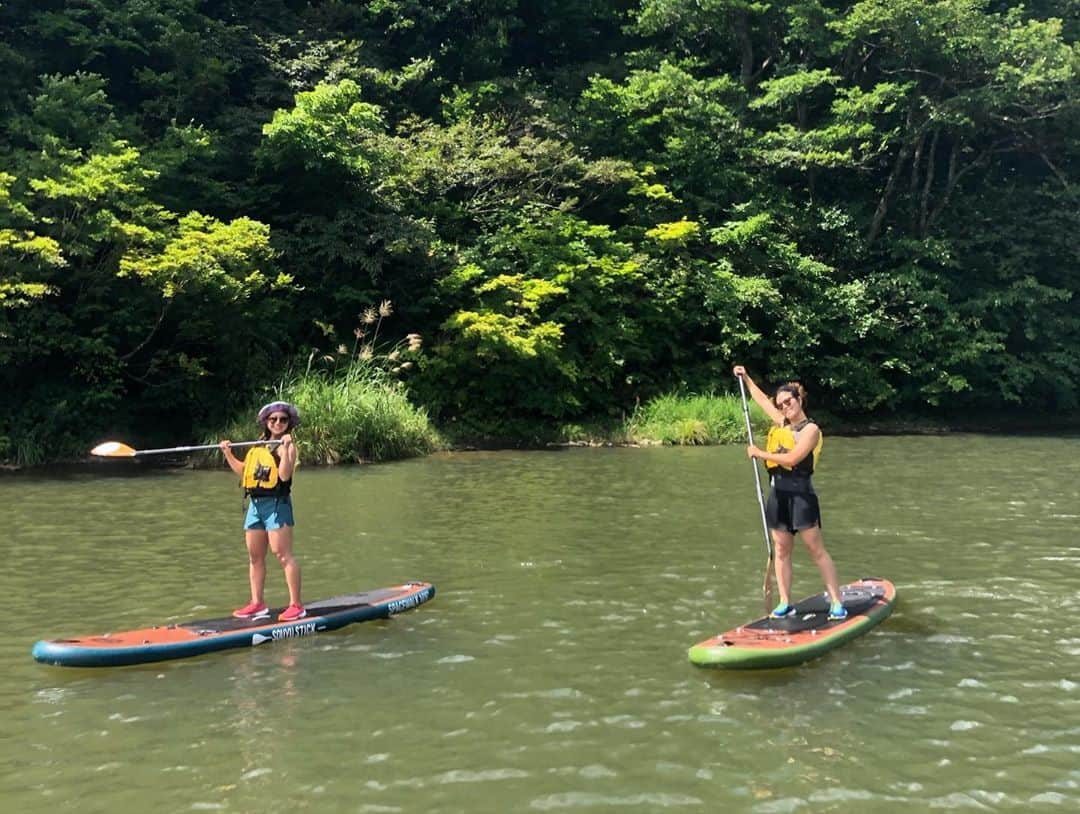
281,541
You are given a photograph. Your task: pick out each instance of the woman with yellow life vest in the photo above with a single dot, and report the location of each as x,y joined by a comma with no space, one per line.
266,475
790,455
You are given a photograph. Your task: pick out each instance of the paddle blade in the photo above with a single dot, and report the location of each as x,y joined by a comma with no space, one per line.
113,449
767,588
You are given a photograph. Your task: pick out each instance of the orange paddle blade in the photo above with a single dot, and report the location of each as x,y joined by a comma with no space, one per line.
113,449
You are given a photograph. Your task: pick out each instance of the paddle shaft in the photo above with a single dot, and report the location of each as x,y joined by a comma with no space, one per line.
267,442
767,587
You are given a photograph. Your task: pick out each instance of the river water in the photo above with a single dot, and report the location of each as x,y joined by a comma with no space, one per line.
550,672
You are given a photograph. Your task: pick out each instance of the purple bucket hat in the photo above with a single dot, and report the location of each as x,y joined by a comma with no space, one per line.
279,406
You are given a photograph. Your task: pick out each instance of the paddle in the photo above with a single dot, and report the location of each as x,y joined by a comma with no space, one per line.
767,588
115,449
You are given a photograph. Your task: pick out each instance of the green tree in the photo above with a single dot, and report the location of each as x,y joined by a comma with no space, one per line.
116,295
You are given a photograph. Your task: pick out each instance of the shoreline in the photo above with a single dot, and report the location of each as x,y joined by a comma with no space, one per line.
842,429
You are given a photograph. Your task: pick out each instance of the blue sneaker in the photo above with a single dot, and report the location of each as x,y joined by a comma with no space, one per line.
782,610
837,612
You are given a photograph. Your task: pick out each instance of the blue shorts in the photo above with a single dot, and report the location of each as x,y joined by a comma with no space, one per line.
269,513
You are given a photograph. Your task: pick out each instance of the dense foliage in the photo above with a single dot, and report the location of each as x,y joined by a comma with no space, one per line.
580,204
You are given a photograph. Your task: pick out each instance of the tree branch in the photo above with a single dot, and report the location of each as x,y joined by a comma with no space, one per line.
746,49
161,318
924,203
894,175
1057,173
913,184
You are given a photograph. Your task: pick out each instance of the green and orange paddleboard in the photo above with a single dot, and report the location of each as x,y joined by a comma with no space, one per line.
805,635
186,639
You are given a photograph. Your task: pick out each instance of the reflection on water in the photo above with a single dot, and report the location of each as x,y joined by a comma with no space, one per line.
550,671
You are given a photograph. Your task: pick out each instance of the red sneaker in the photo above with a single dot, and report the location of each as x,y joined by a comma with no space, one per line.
292,613
250,610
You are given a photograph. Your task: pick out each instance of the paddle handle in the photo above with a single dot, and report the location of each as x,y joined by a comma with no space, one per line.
268,443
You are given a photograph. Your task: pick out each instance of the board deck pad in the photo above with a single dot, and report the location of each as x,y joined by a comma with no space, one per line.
813,613
806,634
186,639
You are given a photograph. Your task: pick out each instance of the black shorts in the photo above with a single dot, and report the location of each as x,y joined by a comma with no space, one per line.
791,511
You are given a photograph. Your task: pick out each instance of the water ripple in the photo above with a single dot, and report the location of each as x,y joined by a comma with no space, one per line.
550,672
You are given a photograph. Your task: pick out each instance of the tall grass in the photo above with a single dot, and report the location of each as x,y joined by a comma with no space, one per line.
687,419
352,407
353,414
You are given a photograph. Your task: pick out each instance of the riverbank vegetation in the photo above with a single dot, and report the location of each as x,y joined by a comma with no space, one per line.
691,420
580,206
352,416
354,408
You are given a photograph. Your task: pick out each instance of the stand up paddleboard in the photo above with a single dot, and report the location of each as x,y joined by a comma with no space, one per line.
805,635
195,638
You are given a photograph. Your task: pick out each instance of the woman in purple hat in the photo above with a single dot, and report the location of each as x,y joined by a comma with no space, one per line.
266,475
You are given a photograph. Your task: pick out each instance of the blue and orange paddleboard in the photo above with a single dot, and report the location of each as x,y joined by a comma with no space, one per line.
186,639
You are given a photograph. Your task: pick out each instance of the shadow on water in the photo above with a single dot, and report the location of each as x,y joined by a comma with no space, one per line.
756,681
916,627
116,468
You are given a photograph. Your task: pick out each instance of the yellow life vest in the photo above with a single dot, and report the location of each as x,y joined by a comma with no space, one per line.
261,477
783,439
